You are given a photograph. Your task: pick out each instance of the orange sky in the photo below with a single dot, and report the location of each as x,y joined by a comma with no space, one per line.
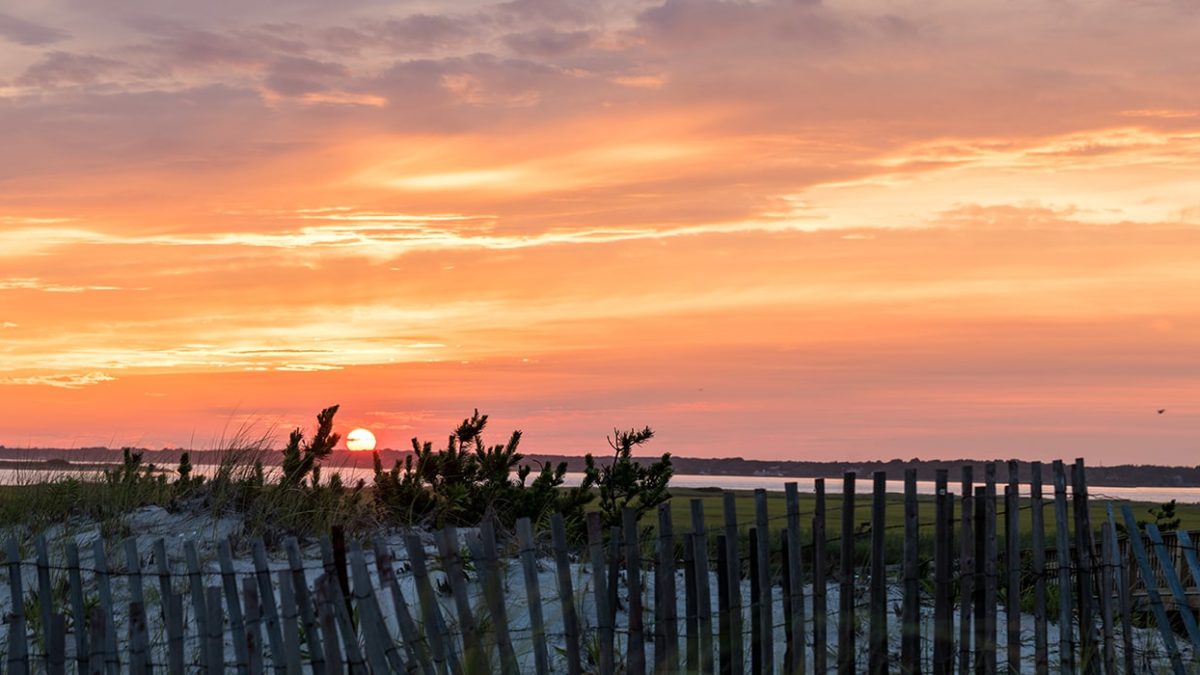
849,229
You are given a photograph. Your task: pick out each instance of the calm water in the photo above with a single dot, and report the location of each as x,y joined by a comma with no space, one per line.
1184,495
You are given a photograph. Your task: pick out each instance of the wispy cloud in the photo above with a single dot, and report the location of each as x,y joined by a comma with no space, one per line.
59,381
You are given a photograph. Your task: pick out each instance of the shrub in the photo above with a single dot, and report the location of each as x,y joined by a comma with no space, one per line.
469,479
624,483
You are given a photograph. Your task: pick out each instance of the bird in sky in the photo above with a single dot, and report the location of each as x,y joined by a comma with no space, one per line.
1162,410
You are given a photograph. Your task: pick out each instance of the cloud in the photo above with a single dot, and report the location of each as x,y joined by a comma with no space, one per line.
295,76
60,381
33,284
28,33
421,33
547,42
9,324
64,68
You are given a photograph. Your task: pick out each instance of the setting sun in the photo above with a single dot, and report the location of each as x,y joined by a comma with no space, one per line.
360,439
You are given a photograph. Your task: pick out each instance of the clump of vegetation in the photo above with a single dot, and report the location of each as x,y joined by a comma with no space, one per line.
624,483
469,479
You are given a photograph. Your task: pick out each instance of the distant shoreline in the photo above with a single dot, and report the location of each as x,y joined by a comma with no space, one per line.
1126,475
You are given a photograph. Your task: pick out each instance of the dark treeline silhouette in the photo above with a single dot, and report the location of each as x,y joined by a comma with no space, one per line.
1122,475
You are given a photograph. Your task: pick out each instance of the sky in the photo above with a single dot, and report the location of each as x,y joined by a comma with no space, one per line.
849,229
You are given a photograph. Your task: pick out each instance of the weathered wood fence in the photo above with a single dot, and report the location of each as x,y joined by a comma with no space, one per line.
755,593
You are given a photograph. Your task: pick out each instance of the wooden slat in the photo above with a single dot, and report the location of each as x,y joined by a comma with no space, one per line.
493,588
312,633
1066,639
56,645
691,620
1122,581
734,570
78,611
356,662
18,649
472,650
96,634
104,593
237,624
1037,519
1108,551
214,641
45,595
756,624
289,619
1088,653
604,615
910,629
252,620
704,619
766,616
444,660
334,662
966,566
1156,604
380,646
1012,568
991,571
820,579
1167,568
199,597
633,578
665,613
175,634
139,643
566,594
533,593
846,618
943,548
795,586
266,600
724,591
785,584
877,656
415,646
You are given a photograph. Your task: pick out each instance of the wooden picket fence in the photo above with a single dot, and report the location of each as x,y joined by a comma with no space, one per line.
637,598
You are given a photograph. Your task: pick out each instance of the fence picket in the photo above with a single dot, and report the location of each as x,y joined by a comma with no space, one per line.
877,662
767,630
541,657
1122,580
966,566
666,652
17,640
45,599
304,601
1037,519
56,645
266,602
252,621
431,614
325,616
1156,605
820,580
756,623
214,641
733,565
1012,568
566,593
289,616
724,622
794,588
197,590
943,547
237,624
78,613
1062,554
846,618
604,616
910,646
704,620
104,592
633,580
